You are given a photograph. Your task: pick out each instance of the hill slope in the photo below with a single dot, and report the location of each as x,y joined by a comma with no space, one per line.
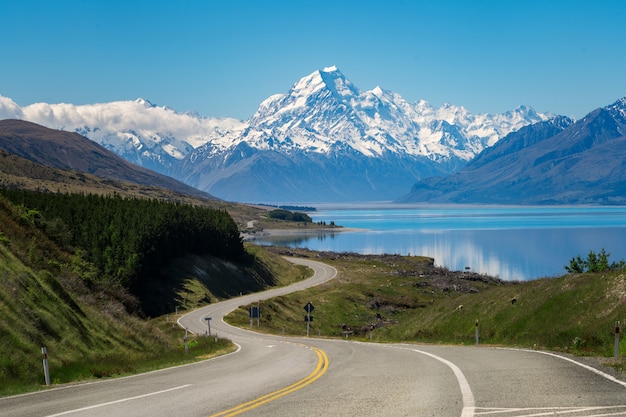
52,295
71,151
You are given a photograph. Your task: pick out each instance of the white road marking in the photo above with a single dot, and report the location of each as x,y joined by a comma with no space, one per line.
469,405
590,368
118,401
551,411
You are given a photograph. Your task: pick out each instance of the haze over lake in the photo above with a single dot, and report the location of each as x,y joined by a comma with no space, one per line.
513,243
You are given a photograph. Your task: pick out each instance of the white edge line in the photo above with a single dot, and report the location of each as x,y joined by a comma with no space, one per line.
469,405
116,379
590,368
118,401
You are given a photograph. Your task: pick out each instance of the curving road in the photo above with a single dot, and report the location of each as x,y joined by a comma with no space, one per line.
276,376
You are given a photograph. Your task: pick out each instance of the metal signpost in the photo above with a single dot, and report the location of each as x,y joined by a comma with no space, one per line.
208,321
309,309
255,313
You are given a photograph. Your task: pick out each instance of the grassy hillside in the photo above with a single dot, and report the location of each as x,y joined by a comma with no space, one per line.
18,172
87,332
54,297
394,298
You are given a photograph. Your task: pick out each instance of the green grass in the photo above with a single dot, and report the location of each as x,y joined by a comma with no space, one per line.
399,300
88,334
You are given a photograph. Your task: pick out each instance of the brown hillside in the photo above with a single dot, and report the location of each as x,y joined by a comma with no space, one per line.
71,151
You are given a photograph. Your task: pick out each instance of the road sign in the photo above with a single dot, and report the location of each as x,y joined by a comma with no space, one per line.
309,309
255,312
208,320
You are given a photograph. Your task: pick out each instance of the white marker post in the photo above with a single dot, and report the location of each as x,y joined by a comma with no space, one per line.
46,370
617,328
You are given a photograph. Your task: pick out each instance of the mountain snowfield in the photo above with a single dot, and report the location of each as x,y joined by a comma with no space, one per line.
559,161
324,140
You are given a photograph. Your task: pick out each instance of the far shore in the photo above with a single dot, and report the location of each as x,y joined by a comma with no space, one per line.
297,231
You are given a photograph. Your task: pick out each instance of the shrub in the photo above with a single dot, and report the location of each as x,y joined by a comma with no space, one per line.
595,262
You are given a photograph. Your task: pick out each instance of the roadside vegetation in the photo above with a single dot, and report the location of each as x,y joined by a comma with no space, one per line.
595,262
391,298
98,280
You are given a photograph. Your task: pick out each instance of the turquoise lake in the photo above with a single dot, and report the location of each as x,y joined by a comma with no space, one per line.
513,243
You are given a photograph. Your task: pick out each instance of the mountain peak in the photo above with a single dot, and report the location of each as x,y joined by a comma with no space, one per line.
330,78
146,103
377,91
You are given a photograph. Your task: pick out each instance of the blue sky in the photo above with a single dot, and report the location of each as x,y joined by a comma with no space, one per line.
222,58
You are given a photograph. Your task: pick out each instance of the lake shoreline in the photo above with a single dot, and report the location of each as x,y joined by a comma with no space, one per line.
261,234
513,243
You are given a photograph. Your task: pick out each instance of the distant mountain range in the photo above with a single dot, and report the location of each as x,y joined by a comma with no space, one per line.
327,141
553,162
322,141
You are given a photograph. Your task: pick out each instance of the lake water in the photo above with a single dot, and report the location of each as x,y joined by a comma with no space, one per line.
513,243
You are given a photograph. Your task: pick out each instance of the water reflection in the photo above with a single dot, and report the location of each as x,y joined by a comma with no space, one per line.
511,254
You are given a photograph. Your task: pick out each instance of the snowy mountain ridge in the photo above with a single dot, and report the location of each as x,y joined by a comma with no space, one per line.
323,121
319,110
325,107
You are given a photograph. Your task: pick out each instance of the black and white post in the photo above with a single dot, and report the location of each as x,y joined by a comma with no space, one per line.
46,369
617,330
476,332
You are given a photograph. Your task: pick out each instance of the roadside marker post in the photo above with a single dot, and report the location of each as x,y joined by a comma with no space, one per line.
46,369
617,330
186,345
476,332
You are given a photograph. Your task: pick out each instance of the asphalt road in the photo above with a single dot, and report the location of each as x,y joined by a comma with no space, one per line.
275,376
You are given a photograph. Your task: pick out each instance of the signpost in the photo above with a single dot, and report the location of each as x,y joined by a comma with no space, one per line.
255,313
208,321
309,309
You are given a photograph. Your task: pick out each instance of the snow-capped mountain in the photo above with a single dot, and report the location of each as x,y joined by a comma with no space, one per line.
323,140
326,140
139,131
554,162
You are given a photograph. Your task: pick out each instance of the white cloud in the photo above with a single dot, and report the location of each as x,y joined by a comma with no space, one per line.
9,109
